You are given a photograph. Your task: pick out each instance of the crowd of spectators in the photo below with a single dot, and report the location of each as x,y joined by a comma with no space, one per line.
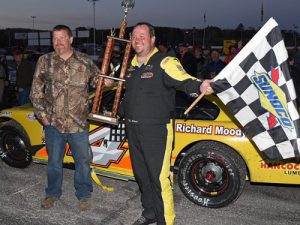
206,63
16,73
294,67
203,63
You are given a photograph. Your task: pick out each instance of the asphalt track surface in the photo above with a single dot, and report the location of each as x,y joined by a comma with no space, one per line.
21,192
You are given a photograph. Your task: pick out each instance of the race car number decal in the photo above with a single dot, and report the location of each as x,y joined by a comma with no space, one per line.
105,149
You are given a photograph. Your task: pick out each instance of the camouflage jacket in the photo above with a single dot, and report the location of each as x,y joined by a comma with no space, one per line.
60,90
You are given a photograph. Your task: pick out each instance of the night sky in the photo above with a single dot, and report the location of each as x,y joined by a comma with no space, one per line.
171,13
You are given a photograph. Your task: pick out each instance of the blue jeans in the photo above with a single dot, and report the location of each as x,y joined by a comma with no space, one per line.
79,144
23,96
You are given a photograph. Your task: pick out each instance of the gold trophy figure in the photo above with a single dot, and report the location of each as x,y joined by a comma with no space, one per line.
111,117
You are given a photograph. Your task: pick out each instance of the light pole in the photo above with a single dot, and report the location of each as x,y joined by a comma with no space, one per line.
33,18
204,21
94,4
295,35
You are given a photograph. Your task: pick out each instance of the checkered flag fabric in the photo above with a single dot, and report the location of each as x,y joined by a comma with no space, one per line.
257,88
117,133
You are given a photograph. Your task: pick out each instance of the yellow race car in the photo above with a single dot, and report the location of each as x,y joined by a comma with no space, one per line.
212,157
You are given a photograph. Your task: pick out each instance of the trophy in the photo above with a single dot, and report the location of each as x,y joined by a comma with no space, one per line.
111,116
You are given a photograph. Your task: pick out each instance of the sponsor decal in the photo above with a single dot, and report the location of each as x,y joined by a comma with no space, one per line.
147,75
184,128
209,130
180,68
194,95
221,130
165,61
149,68
272,98
6,113
288,168
129,72
148,72
31,116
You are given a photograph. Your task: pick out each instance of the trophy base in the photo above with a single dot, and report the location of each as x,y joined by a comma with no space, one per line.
102,118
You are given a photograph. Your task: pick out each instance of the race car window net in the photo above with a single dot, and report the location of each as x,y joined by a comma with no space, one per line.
204,110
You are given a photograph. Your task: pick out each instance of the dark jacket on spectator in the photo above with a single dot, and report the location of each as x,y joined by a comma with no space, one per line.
189,63
24,74
213,68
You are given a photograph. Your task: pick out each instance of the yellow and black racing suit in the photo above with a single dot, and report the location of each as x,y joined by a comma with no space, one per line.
148,106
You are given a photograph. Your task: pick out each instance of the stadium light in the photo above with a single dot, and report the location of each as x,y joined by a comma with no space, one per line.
33,18
94,37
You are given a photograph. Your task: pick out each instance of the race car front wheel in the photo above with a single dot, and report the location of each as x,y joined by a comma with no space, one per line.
211,174
14,145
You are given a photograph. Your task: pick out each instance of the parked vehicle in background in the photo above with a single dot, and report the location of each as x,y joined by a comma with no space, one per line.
3,51
92,50
32,56
12,70
212,157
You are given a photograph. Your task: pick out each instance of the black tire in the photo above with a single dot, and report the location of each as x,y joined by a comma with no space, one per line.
14,145
212,174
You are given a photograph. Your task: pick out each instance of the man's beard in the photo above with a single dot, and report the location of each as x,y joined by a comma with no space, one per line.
60,50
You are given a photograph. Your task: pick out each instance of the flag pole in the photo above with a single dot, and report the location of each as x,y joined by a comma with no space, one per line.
194,103
203,38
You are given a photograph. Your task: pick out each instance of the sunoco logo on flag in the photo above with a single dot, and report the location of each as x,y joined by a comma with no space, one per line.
272,98
257,88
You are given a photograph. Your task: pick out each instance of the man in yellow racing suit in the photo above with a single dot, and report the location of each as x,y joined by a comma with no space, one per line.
149,103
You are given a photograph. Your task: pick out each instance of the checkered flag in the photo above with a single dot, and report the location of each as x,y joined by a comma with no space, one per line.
257,88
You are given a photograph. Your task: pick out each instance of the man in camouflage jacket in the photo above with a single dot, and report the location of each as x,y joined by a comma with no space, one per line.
60,99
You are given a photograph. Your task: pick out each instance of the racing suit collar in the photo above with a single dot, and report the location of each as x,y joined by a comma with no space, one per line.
134,60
